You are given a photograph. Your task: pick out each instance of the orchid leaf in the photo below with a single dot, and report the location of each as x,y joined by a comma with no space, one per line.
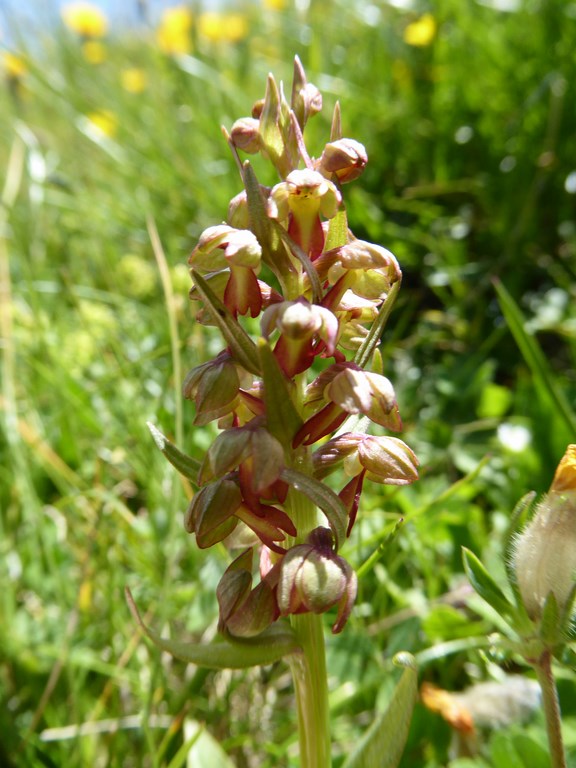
240,344
282,419
383,743
323,497
270,646
186,465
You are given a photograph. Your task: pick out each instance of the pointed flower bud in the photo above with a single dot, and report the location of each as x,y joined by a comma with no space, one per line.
345,158
314,578
544,556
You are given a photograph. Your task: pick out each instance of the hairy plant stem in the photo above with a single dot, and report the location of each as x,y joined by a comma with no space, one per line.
551,706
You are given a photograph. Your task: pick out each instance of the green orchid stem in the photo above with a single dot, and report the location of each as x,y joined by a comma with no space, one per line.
551,705
311,688
309,667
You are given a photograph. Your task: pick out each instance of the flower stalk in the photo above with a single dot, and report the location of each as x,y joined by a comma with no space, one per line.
551,706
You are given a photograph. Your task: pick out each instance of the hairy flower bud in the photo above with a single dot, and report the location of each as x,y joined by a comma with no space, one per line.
544,556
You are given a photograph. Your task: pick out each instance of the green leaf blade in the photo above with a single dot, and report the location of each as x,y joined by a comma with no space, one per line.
270,646
383,743
186,465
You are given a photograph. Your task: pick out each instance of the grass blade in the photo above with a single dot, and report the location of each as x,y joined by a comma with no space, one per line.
534,357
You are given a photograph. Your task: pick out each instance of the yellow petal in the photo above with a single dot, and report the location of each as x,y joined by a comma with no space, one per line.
565,476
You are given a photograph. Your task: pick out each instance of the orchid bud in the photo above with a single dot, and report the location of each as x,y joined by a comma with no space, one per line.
544,556
214,388
244,612
345,158
211,512
372,395
314,578
245,135
221,246
374,269
386,460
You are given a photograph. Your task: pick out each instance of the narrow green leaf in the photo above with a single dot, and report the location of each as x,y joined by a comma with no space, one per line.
240,344
534,357
383,743
323,497
186,465
485,585
364,353
282,419
272,645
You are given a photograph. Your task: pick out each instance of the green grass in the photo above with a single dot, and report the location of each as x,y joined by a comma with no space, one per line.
470,141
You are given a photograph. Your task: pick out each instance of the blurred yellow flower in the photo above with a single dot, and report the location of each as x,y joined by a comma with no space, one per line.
421,32
133,80
104,122
94,51
275,5
222,27
173,34
14,66
565,476
85,19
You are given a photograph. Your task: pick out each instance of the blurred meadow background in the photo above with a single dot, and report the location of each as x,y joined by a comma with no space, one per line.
113,163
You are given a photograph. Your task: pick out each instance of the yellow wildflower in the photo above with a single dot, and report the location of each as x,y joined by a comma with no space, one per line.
565,476
13,65
275,5
173,34
133,80
94,51
104,122
421,32
222,27
85,19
